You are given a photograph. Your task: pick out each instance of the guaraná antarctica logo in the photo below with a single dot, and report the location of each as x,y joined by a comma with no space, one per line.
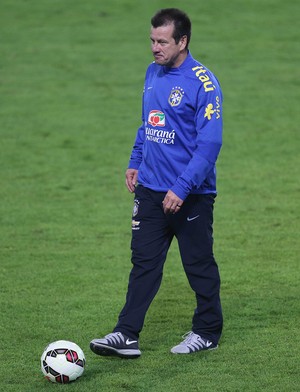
157,118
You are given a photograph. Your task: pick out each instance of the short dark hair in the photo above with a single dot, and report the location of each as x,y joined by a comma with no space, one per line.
182,23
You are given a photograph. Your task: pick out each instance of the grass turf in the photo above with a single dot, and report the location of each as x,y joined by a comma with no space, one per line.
71,80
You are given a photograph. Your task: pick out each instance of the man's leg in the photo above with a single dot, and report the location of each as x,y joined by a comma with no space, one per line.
151,240
194,232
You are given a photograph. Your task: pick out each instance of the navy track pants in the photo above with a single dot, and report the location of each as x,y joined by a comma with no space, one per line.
152,234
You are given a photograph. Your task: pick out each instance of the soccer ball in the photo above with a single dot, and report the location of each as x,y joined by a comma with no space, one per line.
62,361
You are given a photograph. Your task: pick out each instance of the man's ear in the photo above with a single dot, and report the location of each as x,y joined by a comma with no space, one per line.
183,42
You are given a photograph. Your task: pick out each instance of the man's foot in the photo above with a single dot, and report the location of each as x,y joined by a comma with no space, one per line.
193,343
116,343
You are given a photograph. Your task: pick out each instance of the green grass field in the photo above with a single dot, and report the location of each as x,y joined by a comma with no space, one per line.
71,78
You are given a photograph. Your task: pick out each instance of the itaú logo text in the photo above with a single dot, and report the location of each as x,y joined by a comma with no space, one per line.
157,118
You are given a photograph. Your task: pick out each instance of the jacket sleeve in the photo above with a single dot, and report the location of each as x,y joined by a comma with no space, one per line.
208,125
137,150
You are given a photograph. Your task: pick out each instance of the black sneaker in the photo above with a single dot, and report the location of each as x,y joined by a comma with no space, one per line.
117,344
193,343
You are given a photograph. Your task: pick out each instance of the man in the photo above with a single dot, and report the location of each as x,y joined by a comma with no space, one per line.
172,172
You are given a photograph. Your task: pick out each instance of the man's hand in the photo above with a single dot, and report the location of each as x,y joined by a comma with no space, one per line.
171,203
131,179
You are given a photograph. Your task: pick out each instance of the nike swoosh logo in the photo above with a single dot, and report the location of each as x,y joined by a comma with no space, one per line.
193,218
149,88
208,344
129,342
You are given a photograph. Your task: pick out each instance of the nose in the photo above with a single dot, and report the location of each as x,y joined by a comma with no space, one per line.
155,47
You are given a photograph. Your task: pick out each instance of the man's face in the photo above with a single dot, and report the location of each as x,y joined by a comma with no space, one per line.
164,48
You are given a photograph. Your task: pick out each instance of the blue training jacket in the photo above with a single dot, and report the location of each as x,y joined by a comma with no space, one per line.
178,143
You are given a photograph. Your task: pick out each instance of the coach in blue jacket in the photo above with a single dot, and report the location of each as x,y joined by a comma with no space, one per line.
172,173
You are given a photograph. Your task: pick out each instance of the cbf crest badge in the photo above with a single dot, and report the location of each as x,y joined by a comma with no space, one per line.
135,208
176,96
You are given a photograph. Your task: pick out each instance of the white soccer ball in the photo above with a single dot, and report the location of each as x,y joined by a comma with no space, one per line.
62,361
